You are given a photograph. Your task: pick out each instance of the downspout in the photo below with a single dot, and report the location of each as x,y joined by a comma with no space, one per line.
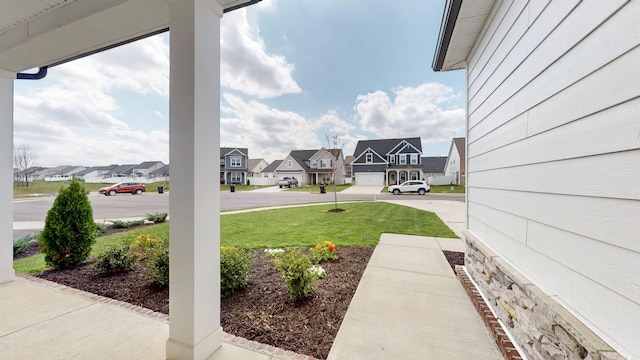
41,74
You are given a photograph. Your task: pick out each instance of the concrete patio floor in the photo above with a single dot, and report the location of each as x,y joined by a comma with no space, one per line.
408,305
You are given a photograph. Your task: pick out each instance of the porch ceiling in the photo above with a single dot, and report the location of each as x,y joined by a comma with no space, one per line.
36,33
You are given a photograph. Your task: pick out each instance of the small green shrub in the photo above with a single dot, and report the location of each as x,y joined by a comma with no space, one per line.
69,229
158,265
294,267
121,224
22,244
116,259
157,217
101,228
235,269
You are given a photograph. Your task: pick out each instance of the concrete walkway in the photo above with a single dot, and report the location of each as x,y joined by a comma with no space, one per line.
408,305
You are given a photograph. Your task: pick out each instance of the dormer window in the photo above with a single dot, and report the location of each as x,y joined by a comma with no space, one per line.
369,158
314,164
236,162
414,159
403,159
392,159
222,162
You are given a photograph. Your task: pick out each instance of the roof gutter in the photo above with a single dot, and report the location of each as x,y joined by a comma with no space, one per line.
449,18
42,71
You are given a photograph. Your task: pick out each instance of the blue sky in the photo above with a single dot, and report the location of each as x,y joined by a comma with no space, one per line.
292,71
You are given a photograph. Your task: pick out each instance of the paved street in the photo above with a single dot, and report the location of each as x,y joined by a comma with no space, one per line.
29,214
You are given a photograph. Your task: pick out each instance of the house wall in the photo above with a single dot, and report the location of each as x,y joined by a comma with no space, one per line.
553,163
454,166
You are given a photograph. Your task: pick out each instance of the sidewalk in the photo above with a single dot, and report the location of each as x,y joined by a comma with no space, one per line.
410,305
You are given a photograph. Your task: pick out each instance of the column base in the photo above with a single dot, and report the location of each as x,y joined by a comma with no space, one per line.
7,275
202,350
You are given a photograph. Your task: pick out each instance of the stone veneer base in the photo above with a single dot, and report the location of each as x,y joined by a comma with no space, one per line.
542,328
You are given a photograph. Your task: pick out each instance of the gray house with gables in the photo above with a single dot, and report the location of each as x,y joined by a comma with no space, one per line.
234,165
387,161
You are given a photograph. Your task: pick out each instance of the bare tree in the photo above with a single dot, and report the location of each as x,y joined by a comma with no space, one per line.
334,142
23,158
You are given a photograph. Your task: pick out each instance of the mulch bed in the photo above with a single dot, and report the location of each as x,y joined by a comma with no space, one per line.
261,312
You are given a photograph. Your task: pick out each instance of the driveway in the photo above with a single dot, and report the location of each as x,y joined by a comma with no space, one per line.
363,189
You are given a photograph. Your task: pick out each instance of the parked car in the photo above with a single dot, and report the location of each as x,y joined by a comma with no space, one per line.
412,186
287,182
134,188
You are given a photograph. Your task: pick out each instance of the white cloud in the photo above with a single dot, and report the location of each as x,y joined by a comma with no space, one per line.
334,124
267,132
245,64
414,112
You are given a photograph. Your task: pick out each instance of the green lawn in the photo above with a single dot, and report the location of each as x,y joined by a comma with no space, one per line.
52,187
440,189
226,188
360,225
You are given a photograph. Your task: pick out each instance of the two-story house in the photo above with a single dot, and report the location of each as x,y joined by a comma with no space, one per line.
234,165
310,167
146,168
455,166
387,161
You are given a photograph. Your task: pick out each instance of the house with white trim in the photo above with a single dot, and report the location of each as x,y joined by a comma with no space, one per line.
387,161
312,167
553,163
455,165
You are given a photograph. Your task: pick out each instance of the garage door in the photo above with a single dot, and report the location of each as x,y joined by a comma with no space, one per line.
370,179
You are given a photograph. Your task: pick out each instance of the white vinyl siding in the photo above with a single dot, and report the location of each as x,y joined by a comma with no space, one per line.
553,158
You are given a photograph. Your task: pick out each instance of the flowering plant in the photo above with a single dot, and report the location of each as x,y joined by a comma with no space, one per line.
325,251
144,245
273,252
317,271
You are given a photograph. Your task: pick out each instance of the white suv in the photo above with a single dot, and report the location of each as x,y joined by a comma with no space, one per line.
413,186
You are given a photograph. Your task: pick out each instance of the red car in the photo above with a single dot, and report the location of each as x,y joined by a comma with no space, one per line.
133,188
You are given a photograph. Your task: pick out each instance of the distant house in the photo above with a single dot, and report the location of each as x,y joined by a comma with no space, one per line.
256,166
387,161
270,172
160,174
310,167
433,166
64,173
456,162
146,168
234,165
96,172
347,164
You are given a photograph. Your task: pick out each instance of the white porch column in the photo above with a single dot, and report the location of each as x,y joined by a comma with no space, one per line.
194,327
6,176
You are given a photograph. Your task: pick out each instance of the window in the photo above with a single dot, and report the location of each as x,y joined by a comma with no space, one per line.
236,177
369,157
392,159
289,163
414,159
236,162
325,163
314,164
403,159
222,162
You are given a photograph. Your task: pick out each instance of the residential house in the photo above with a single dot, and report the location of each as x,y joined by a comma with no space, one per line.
270,172
27,175
347,164
146,168
64,173
121,171
387,161
433,165
455,166
96,172
310,167
553,162
256,166
234,165
161,174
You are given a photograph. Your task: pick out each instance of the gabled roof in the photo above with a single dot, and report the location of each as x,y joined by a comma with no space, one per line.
383,146
434,164
273,166
123,169
302,157
349,159
148,164
224,151
161,171
459,143
254,162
